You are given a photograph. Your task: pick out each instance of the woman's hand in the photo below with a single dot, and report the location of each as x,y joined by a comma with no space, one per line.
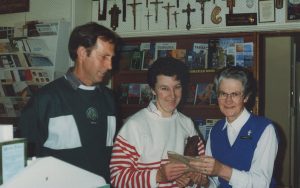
183,180
170,172
210,166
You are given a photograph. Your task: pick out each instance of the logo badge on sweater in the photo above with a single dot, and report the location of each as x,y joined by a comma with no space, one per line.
249,133
92,114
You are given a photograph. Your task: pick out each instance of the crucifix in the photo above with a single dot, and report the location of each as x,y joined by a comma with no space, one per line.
124,10
188,11
202,3
114,18
168,7
177,4
133,6
155,3
175,17
147,2
102,8
230,5
148,16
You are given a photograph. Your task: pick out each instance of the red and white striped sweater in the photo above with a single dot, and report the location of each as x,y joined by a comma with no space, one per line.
142,144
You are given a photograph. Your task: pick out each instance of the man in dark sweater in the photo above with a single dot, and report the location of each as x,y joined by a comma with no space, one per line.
73,117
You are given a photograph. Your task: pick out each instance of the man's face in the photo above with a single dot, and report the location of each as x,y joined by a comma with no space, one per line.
94,66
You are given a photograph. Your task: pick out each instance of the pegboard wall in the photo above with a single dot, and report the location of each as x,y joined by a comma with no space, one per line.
126,29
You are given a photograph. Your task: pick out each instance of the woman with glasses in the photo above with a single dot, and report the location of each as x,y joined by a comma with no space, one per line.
139,156
242,147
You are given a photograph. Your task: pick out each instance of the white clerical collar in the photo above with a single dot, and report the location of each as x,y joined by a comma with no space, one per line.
239,122
84,87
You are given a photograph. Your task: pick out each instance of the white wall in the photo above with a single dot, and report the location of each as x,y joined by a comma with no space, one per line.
125,29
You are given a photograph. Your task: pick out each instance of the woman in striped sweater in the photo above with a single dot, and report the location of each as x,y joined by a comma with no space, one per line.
139,156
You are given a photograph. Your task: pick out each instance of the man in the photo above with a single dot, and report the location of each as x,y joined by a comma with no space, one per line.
73,117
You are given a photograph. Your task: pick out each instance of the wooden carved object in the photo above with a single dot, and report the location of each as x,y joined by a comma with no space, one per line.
215,15
114,18
188,11
155,3
168,7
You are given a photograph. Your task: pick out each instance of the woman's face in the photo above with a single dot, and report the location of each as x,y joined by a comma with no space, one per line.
231,98
168,93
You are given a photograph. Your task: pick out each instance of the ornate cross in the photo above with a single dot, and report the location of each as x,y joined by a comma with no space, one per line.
148,16
202,3
133,6
230,5
155,3
114,19
188,11
175,17
168,7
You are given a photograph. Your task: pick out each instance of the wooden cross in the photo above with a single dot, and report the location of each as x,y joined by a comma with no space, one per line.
124,10
155,3
133,6
168,7
188,11
102,9
230,5
175,17
114,18
177,4
202,3
148,16
147,2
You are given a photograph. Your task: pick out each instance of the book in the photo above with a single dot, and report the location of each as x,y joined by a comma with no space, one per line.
213,54
136,60
248,54
126,56
228,46
133,93
202,93
123,93
149,52
161,48
200,55
179,54
239,54
146,94
37,60
191,93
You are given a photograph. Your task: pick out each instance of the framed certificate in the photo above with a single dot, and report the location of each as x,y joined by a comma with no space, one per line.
293,10
266,11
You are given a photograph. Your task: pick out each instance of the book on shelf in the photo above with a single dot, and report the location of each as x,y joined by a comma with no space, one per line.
123,93
126,56
200,55
136,61
179,54
239,54
162,48
145,94
133,93
191,93
204,93
228,46
149,52
41,76
37,60
248,54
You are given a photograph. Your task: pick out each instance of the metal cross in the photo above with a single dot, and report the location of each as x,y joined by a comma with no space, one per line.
155,3
202,2
133,6
168,7
148,16
188,11
175,17
114,19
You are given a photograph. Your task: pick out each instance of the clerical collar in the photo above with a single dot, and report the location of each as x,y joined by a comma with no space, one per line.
76,83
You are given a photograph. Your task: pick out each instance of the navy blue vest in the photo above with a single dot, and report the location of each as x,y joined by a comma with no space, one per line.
240,154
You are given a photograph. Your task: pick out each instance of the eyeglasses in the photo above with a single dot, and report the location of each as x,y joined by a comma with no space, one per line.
234,95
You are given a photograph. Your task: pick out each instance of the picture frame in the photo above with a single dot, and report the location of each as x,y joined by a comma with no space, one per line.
266,11
14,6
293,10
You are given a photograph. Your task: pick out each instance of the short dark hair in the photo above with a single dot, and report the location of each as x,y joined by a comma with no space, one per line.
168,66
241,74
86,35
